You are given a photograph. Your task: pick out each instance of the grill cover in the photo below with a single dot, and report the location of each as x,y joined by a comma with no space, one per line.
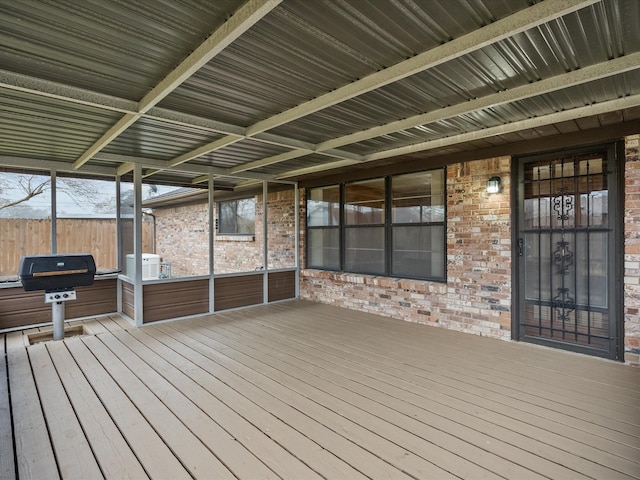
56,272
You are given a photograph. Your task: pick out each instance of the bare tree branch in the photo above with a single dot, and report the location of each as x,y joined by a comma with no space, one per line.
30,188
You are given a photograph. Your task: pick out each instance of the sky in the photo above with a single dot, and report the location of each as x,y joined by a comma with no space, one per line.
96,197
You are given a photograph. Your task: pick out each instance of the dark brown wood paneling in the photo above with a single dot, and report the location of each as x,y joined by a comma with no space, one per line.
19,308
128,300
238,291
178,299
282,285
98,299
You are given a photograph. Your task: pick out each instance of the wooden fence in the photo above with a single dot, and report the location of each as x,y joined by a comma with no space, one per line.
19,237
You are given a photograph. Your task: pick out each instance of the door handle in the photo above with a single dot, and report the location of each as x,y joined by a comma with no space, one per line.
521,247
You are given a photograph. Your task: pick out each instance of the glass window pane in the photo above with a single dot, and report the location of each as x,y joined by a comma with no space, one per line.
418,197
364,202
25,219
86,219
364,250
246,216
591,269
235,249
594,209
181,226
537,267
237,217
324,248
323,206
418,251
126,228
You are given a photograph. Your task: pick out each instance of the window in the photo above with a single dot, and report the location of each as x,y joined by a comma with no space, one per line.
323,223
83,218
364,237
417,225
237,217
393,226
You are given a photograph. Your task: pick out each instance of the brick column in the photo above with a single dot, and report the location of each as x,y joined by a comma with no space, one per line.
479,248
632,250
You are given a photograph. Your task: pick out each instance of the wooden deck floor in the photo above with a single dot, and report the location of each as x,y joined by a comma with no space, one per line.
301,391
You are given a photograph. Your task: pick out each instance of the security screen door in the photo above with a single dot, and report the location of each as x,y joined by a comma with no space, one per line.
566,251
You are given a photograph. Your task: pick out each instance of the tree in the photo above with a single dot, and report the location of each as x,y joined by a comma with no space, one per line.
29,187
16,190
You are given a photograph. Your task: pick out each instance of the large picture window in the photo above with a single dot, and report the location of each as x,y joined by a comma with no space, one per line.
392,226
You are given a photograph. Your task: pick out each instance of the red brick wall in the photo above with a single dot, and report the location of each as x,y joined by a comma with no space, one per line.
240,253
182,237
477,295
281,228
632,250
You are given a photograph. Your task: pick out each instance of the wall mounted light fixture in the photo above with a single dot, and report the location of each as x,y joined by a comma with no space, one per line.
494,185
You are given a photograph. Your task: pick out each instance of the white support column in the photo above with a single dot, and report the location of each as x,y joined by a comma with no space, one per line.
265,244
212,233
120,265
296,199
137,244
54,211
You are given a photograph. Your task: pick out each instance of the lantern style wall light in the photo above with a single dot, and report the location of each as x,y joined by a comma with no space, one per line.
494,185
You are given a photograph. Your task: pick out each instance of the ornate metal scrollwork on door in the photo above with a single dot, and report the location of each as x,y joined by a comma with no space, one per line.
563,257
563,302
563,204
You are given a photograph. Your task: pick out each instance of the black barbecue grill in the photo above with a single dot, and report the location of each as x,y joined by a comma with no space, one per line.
57,275
56,272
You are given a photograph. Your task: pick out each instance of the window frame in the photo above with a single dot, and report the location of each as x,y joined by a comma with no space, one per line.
388,226
328,227
219,222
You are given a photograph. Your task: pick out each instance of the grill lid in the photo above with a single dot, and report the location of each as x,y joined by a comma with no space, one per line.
56,272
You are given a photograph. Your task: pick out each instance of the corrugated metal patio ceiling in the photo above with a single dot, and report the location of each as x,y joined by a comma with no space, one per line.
272,89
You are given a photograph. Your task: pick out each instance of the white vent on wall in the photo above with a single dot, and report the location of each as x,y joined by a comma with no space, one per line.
150,266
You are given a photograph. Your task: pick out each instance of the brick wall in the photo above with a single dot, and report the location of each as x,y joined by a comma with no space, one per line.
476,297
240,253
182,237
281,228
632,250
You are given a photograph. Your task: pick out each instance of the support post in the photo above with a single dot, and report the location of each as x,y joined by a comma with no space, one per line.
57,315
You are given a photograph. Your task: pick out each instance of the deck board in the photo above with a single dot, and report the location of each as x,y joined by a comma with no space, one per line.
255,440
148,446
7,464
112,452
199,441
75,459
381,438
446,412
458,457
300,390
195,379
33,449
278,401
570,405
